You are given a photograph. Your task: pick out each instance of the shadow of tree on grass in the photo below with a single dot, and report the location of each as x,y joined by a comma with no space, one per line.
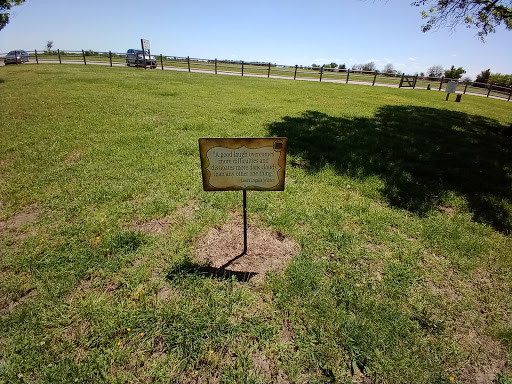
420,154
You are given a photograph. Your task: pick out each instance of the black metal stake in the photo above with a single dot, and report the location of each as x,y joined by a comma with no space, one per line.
245,222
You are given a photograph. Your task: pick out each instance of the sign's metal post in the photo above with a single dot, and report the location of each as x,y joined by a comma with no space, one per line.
245,222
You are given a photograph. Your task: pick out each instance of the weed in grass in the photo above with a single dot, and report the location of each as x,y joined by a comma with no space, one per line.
125,241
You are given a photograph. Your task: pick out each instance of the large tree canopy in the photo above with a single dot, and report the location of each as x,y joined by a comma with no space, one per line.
484,15
5,6
454,73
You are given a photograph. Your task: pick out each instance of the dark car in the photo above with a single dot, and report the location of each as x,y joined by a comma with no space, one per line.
135,57
16,57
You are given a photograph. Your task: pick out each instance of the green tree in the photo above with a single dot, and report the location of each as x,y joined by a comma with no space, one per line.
483,77
501,80
483,15
5,6
454,73
371,67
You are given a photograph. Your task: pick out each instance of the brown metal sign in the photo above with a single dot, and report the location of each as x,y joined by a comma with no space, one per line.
247,164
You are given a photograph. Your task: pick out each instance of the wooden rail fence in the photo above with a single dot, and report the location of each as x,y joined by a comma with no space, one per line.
260,69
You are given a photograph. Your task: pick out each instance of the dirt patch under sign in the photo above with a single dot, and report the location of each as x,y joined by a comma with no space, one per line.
266,250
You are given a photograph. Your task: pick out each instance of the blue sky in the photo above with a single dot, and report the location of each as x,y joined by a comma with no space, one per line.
279,31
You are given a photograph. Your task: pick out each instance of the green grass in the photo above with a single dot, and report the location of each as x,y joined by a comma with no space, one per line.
400,201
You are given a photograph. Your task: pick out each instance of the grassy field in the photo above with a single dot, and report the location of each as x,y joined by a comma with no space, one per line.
400,202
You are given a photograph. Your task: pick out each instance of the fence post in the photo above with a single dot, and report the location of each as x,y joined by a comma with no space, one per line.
414,83
58,52
16,57
401,80
466,87
490,88
441,83
268,74
188,63
321,72
162,61
242,67
215,65
374,78
509,94
110,57
83,55
295,74
37,61
348,74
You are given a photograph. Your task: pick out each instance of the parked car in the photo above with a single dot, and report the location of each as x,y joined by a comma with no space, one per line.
136,58
16,57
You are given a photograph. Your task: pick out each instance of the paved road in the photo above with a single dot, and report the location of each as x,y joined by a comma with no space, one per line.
234,73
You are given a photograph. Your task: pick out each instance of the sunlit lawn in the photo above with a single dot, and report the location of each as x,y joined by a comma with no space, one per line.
400,202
